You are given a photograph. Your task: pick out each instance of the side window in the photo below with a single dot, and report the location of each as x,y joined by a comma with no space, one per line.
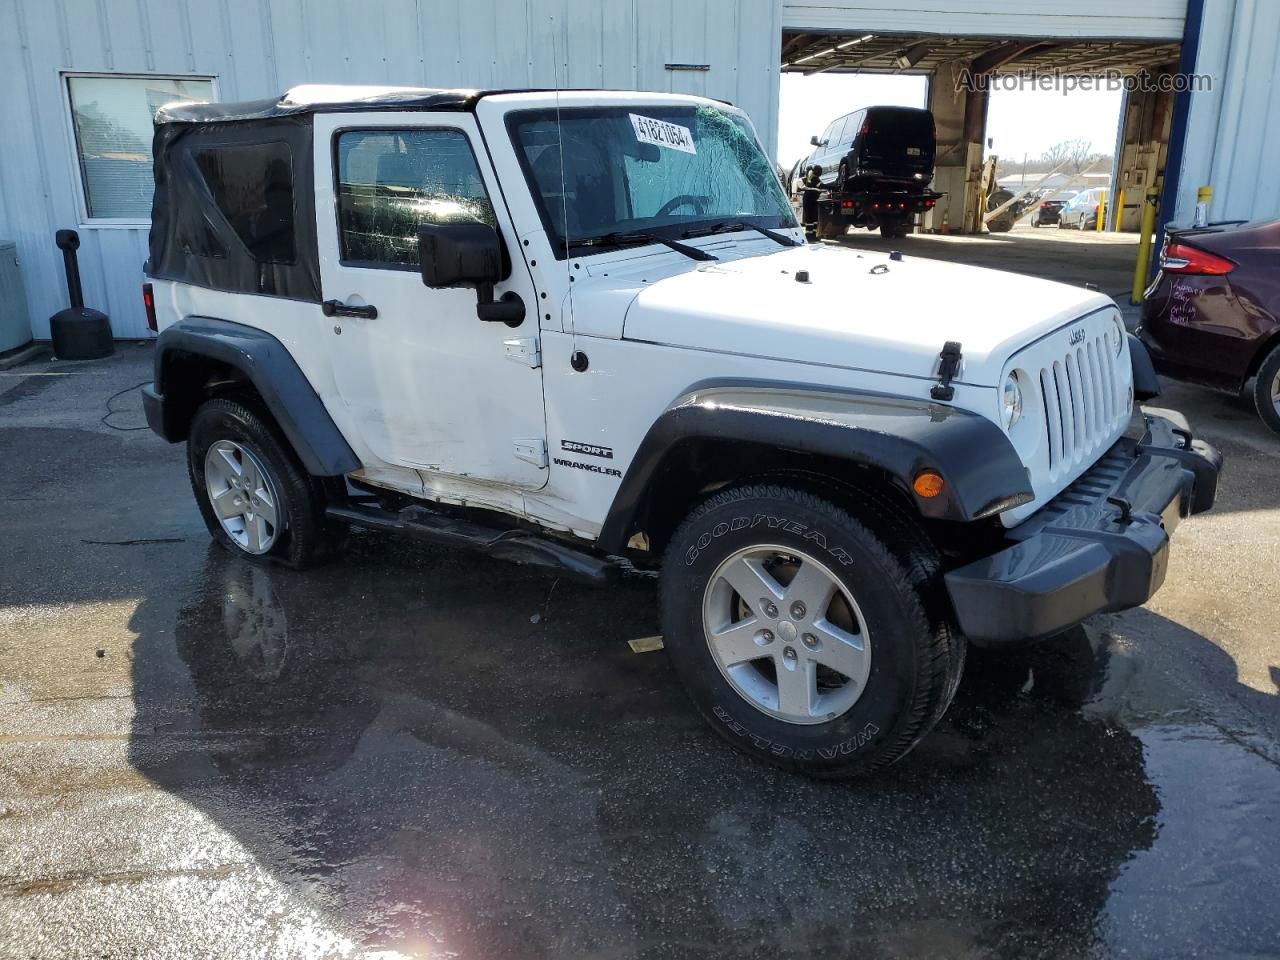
854,126
252,187
828,137
391,181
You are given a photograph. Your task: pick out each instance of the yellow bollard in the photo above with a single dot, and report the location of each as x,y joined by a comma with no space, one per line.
1102,211
1118,219
1204,199
1145,233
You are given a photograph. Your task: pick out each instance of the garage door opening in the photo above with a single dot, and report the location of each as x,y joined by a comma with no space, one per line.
1003,106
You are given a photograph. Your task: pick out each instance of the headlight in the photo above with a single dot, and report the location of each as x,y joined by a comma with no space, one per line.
1120,334
1011,401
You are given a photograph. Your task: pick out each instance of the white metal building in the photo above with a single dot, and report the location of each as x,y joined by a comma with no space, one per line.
80,75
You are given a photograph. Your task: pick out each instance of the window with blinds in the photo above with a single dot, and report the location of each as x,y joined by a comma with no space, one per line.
112,119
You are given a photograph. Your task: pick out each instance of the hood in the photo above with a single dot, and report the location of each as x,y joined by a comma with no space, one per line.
858,310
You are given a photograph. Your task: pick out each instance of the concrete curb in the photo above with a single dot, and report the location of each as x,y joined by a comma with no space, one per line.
22,355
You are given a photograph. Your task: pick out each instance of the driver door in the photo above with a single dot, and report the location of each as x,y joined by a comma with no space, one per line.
429,385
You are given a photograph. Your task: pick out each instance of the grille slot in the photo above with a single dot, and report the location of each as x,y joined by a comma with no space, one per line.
1081,402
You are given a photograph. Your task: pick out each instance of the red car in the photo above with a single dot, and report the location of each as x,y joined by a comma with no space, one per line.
1212,316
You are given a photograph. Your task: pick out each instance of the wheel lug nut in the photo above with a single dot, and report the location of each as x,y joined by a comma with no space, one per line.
797,610
770,609
810,641
789,655
764,637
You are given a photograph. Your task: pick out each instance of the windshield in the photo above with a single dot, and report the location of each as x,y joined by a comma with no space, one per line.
673,171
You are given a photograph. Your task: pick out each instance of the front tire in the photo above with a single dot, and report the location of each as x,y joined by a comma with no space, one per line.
1266,390
256,499
803,637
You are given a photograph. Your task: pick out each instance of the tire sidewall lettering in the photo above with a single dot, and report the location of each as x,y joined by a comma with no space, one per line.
863,736
768,521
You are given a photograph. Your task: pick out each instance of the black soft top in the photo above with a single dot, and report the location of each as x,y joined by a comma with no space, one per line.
377,98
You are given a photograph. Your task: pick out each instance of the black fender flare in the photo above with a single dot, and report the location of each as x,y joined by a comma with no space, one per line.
901,436
1146,385
266,363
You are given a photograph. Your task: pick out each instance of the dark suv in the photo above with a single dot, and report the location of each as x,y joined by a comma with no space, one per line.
877,162
1212,316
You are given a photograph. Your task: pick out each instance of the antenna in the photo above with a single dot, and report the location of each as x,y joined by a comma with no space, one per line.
564,192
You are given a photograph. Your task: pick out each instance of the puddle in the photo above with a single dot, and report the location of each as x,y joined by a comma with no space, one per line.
402,737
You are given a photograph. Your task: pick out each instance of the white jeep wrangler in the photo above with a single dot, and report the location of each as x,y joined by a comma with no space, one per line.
584,328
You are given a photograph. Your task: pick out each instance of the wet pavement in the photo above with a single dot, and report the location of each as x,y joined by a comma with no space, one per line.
415,752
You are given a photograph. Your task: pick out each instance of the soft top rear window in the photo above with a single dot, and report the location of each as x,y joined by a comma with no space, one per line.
234,207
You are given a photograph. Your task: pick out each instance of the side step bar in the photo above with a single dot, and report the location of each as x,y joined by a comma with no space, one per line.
520,546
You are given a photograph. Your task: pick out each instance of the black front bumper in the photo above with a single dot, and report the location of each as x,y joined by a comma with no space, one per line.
1102,544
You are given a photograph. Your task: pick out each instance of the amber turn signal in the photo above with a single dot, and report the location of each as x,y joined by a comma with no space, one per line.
928,484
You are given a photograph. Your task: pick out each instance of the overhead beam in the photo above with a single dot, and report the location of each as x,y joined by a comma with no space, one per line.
908,58
794,45
998,56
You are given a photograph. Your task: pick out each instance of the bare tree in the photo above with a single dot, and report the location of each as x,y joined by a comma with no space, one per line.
1078,154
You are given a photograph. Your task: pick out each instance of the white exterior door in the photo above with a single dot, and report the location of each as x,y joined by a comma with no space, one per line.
430,386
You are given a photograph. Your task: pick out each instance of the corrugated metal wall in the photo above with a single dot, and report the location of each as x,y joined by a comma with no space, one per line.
258,48
1233,130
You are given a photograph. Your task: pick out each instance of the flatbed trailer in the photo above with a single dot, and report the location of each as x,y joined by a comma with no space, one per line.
890,206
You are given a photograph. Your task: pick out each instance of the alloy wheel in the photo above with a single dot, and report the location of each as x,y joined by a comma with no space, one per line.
243,496
786,634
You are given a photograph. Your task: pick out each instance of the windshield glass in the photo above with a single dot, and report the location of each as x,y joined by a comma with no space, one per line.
674,171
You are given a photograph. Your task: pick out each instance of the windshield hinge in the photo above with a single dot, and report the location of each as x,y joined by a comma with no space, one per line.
532,450
948,368
524,350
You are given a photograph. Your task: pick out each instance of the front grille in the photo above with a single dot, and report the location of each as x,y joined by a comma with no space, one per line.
1082,402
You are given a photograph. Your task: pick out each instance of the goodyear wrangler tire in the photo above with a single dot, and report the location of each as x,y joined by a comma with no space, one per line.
253,493
802,637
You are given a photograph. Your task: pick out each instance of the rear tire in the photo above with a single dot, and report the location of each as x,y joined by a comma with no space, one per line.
835,713
1266,390
237,456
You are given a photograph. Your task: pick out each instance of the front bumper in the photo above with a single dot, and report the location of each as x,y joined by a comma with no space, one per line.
1100,545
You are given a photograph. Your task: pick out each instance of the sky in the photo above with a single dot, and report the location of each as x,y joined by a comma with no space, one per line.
1019,122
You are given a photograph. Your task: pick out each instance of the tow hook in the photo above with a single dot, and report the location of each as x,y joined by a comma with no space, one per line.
1126,509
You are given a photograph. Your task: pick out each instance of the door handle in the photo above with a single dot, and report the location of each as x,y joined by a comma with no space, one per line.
336,308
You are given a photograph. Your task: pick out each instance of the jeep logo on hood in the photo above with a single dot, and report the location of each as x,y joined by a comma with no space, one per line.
1077,336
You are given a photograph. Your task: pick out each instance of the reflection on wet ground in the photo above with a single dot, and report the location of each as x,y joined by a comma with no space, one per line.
457,755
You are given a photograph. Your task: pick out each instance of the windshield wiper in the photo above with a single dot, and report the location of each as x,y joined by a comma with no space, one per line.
729,226
618,239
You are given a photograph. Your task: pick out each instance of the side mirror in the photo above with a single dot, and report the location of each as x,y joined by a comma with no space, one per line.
814,141
468,255
459,254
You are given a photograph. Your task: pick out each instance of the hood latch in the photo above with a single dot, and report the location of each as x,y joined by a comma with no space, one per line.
947,369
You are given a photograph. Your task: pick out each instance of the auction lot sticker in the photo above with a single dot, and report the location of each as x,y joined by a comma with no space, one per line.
663,134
